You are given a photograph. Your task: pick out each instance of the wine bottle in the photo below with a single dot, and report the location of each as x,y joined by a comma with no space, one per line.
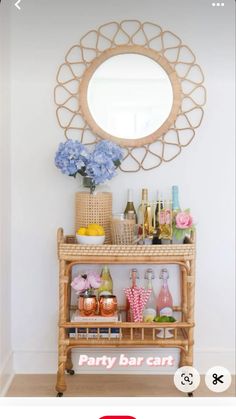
164,300
175,199
130,212
149,312
106,287
134,276
145,214
159,207
165,221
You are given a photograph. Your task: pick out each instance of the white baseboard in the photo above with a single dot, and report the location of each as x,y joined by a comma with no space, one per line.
45,362
6,375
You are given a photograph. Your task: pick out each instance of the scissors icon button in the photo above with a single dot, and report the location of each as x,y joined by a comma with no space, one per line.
218,379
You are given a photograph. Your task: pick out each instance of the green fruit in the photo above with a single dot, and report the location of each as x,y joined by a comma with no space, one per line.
172,319
164,319
157,319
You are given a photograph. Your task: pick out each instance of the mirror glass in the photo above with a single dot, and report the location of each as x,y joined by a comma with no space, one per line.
130,96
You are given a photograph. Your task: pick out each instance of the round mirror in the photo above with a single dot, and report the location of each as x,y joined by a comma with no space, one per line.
130,96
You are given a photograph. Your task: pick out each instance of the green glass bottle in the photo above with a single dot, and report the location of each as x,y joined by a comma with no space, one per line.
106,287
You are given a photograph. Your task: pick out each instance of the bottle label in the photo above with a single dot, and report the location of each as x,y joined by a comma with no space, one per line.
166,311
168,216
162,217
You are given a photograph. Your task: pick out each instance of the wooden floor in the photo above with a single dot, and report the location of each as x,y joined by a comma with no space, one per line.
107,386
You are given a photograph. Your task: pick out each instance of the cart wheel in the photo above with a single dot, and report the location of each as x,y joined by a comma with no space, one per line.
71,372
190,394
59,394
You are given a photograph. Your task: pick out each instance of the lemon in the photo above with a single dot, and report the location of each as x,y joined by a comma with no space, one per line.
82,231
148,318
99,229
91,231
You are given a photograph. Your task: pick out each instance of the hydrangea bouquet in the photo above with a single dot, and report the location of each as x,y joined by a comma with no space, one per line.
97,165
182,224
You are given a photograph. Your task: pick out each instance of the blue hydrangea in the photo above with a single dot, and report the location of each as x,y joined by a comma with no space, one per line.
107,149
103,162
71,157
100,164
100,171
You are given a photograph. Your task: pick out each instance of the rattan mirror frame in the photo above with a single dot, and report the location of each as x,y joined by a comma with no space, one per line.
164,46
130,49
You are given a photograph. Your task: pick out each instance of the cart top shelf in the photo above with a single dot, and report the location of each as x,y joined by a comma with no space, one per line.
68,249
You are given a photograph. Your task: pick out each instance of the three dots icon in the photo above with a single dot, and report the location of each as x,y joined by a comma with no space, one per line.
217,4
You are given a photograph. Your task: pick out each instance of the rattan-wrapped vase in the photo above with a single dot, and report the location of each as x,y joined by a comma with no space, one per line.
122,231
94,208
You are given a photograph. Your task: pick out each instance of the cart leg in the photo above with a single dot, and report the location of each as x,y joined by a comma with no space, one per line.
182,360
61,384
69,363
62,358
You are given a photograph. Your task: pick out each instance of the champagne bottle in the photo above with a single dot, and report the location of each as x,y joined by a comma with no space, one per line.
106,287
145,214
165,221
130,212
134,276
164,299
159,207
149,312
175,199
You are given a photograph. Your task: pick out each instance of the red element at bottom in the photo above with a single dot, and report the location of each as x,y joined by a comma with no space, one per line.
117,417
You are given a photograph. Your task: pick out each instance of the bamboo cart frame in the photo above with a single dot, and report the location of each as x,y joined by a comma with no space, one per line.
131,334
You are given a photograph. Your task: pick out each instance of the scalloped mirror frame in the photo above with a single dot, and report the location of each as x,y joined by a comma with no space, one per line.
132,36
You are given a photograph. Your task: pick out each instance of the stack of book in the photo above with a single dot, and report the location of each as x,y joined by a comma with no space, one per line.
94,332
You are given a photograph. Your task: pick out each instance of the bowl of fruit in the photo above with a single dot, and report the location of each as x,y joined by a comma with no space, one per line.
92,234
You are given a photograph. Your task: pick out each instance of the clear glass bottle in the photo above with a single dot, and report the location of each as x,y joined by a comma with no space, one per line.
106,287
149,313
134,277
165,222
175,209
145,214
164,302
130,212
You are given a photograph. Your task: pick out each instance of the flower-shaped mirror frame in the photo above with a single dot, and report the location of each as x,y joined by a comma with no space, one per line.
167,49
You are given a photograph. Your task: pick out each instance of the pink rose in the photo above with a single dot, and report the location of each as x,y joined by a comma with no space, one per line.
183,220
94,280
80,284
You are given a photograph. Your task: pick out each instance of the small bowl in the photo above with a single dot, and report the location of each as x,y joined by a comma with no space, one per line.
90,239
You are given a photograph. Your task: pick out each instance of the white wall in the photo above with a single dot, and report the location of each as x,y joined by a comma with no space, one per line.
5,296
43,199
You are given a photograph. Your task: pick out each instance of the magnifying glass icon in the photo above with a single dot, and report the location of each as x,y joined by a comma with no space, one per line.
186,378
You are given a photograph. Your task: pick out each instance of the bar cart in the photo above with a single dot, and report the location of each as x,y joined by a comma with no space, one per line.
131,334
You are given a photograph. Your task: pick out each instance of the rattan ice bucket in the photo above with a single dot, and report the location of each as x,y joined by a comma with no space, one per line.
94,208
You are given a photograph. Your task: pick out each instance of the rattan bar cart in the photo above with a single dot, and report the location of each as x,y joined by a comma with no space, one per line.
132,334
